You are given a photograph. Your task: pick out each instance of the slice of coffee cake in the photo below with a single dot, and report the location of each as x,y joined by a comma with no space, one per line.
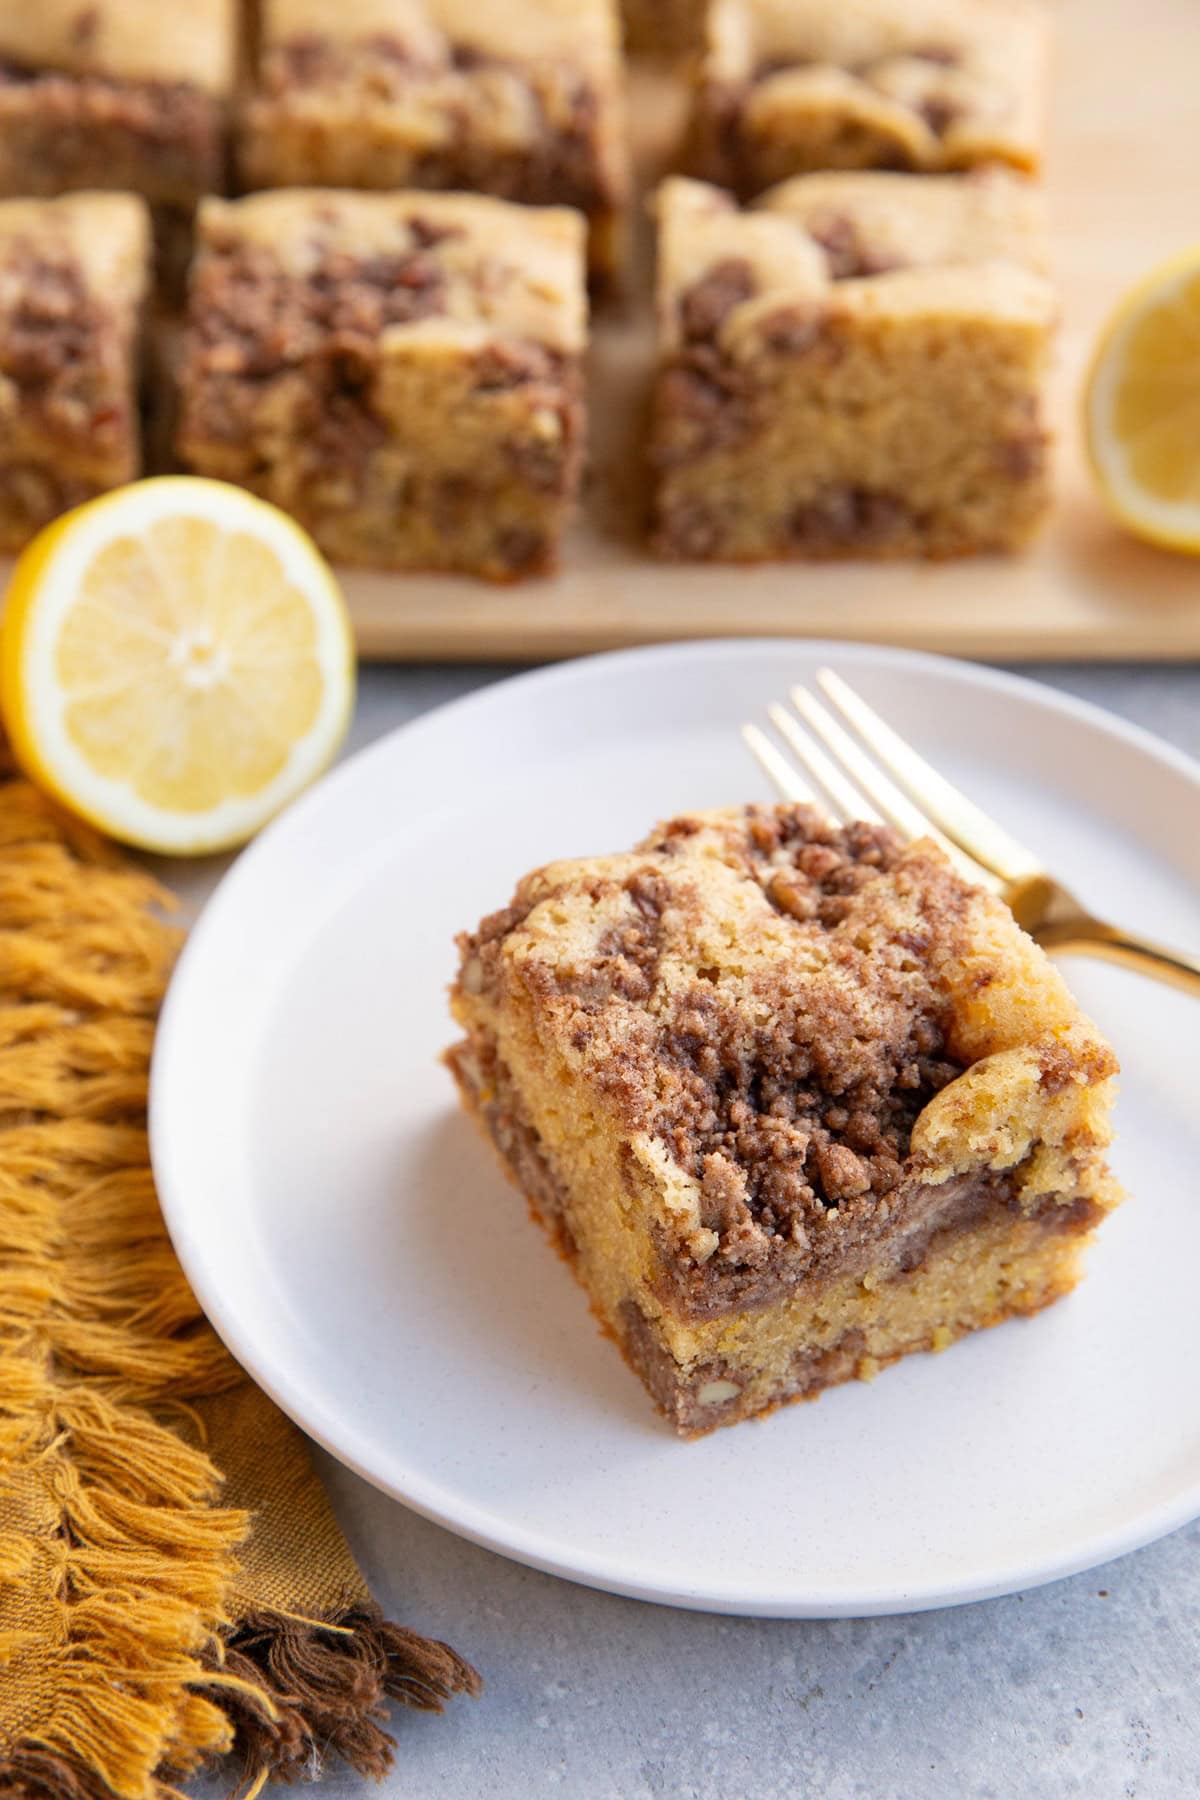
854,366
401,372
795,1100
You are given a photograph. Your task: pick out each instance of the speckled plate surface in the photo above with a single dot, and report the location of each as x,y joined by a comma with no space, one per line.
356,1248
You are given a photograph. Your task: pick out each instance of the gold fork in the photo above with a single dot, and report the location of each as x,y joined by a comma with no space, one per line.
896,786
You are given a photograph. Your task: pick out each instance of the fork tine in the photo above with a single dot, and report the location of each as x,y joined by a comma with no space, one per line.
848,801
777,767
959,818
895,806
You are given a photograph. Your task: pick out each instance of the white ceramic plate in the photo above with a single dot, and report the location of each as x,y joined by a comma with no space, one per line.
353,1243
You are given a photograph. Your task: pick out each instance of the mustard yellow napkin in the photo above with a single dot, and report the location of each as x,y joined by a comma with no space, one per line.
173,1585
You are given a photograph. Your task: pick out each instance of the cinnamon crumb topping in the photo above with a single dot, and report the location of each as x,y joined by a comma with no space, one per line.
779,1048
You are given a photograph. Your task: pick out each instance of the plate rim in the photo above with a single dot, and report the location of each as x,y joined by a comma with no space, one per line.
430,1498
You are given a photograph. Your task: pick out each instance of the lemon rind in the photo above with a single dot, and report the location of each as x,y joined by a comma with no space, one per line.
1170,525
42,590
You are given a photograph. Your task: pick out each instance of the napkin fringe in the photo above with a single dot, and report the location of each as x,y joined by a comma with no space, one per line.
311,1688
137,1564
33,1774
127,1664
117,1560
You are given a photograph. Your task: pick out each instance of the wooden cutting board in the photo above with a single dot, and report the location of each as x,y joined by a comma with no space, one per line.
1124,180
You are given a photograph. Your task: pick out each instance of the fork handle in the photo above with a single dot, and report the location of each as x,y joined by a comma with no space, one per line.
1091,937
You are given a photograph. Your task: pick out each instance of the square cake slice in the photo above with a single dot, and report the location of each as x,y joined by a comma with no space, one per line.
520,101
400,372
74,276
794,1099
789,86
854,366
129,94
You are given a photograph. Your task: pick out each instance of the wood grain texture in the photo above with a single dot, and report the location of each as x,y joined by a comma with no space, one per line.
1124,152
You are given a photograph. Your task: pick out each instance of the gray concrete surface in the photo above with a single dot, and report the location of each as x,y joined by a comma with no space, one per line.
1090,1687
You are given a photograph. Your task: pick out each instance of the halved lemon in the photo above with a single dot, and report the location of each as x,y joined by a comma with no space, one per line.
1142,407
176,662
